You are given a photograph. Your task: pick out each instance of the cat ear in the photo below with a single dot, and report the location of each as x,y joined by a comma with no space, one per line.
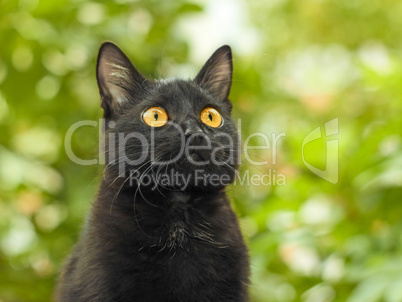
118,80
216,75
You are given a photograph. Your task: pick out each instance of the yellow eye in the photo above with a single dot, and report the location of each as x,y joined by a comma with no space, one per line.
155,117
211,117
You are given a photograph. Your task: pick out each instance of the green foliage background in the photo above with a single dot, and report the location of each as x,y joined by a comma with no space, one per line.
298,64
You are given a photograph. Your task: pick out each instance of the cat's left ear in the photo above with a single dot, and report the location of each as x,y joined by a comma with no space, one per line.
216,75
118,80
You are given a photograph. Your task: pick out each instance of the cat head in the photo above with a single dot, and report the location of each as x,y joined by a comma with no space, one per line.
167,133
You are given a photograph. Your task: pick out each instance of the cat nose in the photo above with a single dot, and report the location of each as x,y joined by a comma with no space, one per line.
191,127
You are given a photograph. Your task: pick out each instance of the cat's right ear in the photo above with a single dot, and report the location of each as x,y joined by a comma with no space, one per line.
118,80
216,75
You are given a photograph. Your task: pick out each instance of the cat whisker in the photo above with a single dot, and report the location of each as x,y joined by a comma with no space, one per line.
139,185
122,185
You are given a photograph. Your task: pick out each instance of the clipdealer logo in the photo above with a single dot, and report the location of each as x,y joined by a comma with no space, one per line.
331,152
329,133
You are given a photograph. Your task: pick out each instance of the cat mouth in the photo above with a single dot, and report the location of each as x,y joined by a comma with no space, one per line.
198,158
195,156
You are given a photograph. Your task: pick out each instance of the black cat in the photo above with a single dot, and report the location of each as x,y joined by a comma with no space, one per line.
161,227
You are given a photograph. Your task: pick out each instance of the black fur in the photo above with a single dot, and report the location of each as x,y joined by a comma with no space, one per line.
161,242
